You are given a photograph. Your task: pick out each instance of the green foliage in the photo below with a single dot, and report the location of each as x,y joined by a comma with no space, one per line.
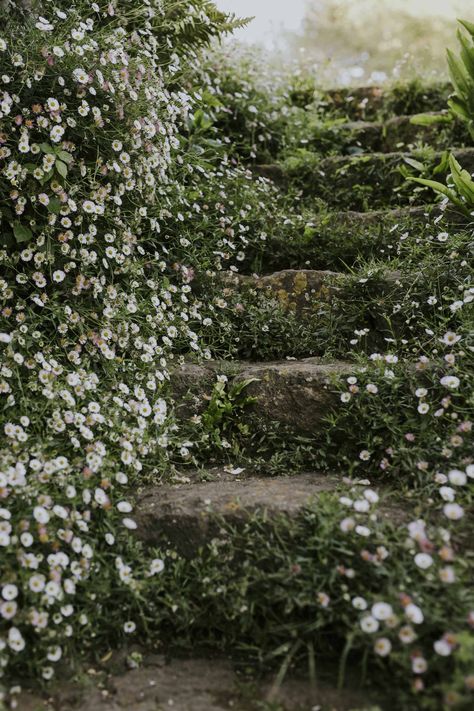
461,190
430,120
456,689
275,590
226,404
92,105
179,25
101,302
461,69
192,24
415,95
246,101
398,40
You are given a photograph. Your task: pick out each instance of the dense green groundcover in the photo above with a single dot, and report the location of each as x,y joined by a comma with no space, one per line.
91,105
125,190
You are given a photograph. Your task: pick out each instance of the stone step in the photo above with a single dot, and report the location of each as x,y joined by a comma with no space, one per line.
394,134
195,684
189,513
359,182
389,217
336,240
298,290
295,393
372,101
308,312
311,313
184,515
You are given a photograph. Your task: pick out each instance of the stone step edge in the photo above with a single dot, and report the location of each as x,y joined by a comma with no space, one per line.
294,393
297,291
187,515
377,92
195,683
395,132
277,172
298,281
403,119
418,213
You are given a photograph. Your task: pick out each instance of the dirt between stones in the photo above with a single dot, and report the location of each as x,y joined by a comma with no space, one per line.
188,685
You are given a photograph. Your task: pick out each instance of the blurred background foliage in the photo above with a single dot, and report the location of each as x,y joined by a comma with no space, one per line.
376,40
357,42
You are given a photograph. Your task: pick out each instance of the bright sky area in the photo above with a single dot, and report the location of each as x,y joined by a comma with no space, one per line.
272,15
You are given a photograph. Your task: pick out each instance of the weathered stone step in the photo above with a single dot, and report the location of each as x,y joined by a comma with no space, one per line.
184,514
389,217
336,240
373,101
313,313
189,514
299,290
196,684
295,393
294,289
359,182
394,134
308,312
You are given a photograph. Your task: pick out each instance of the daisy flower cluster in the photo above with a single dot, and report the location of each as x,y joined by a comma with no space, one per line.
90,106
413,400
401,621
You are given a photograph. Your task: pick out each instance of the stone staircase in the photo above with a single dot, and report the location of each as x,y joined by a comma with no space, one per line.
297,394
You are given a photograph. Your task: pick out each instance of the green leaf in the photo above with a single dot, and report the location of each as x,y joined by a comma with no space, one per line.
46,148
443,190
211,100
46,177
458,107
65,156
430,119
414,164
462,180
54,206
458,74
238,387
22,233
443,165
469,26
201,120
467,54
61,168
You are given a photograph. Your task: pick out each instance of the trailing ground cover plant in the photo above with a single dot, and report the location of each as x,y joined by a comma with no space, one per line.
89,113
412,400
405,420
289,592
413,408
